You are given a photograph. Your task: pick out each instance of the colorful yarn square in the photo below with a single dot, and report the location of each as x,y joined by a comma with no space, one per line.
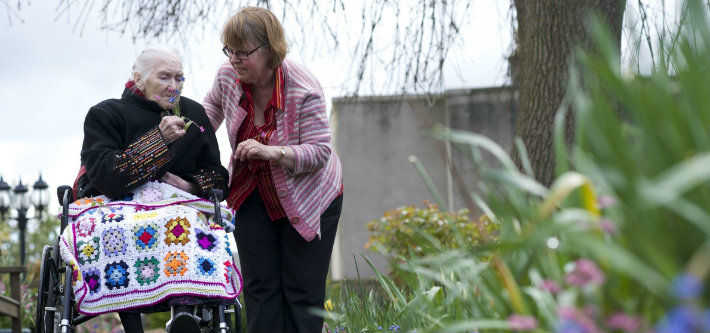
92,277
88,251
177,231
112,217
206,240
147,270
176,263
116,275
85,226
114,242
145,237
150,195
206,266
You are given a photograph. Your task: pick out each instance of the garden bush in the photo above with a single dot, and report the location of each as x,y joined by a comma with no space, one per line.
410,231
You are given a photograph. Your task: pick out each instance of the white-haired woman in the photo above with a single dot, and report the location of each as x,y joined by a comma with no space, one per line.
132,147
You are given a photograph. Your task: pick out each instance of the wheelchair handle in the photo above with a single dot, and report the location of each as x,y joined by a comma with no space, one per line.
62,193
216,198
65,196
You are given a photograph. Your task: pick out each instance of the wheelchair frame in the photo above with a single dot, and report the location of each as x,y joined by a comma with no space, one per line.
55,287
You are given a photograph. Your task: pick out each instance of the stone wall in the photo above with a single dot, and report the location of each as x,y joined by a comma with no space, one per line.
375,138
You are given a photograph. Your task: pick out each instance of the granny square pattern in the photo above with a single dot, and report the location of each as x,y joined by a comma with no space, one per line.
147,270
92,276
206,240
116,275
156,243
88,250
145,236
114,242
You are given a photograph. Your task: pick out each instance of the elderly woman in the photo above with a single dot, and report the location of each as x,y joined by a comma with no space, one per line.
141,234
286,180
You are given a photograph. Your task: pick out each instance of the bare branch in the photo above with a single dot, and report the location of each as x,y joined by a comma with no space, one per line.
11,11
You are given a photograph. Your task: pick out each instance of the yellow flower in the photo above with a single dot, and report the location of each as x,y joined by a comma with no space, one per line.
328,305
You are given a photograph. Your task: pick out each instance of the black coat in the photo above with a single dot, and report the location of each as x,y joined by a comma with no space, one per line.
123,148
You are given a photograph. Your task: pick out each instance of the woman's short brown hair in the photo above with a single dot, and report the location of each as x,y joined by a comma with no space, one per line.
259,26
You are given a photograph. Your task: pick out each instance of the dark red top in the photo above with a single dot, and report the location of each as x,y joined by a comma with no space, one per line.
252,174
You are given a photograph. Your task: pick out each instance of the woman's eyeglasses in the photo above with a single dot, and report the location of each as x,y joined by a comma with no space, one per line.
240,55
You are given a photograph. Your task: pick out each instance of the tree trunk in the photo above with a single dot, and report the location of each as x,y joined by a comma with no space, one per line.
546,35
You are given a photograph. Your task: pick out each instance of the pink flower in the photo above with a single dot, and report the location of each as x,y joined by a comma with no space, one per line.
202,129
606,201
623,322
585,273
551,286
590,310
522,323
157,97
608,225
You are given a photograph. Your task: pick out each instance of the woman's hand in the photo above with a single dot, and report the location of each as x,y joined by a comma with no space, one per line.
252,149
180,183
172,128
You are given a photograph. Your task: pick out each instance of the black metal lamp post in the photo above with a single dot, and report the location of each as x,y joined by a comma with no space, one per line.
20,200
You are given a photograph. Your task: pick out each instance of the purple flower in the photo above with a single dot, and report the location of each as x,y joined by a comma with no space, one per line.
172,100
623,322
684,319
573,320
202,129
686,286
569,326
522,323
585,273
551,286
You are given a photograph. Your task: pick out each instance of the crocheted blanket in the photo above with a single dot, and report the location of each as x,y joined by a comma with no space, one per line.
157,243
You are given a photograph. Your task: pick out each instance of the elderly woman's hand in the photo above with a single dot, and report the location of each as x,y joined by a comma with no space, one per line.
172,128
180,183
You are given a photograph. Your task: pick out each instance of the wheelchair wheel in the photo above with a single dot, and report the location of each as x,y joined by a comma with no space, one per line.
49,300
44,289
212,326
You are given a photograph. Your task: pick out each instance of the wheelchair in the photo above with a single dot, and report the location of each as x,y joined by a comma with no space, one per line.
57,309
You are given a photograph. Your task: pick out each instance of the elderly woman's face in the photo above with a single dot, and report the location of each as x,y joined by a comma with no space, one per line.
163,82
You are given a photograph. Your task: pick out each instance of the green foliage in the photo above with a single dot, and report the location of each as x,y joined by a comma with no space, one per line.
28,296
38,234
618,243
412,232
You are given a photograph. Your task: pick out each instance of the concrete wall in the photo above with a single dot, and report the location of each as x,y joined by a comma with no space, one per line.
375,137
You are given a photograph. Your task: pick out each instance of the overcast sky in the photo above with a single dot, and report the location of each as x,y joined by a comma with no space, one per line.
50,75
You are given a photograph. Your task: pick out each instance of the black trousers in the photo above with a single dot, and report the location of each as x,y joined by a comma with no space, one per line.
284,275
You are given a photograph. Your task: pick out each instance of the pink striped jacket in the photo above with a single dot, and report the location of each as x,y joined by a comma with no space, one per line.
307,190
